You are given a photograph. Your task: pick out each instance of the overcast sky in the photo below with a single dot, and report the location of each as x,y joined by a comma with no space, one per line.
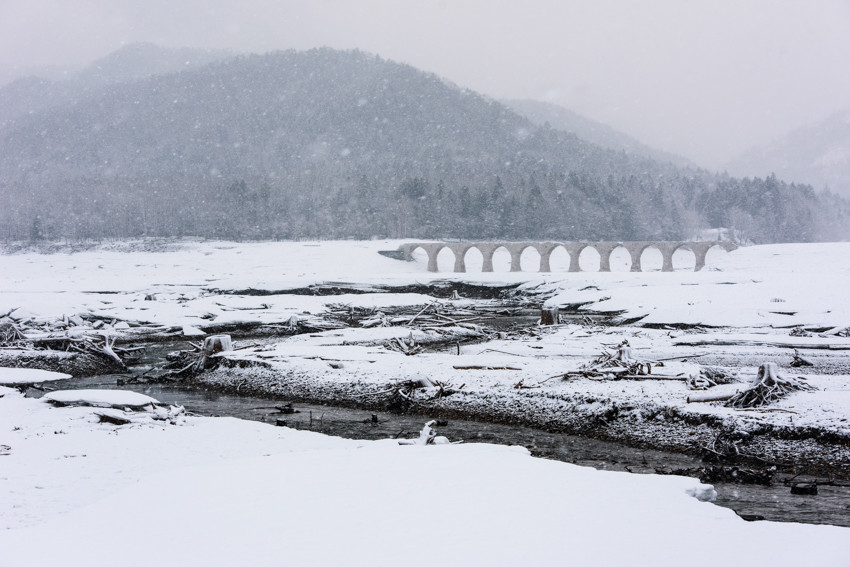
705,79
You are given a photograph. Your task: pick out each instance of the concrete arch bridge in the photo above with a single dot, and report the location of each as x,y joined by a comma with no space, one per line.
545,250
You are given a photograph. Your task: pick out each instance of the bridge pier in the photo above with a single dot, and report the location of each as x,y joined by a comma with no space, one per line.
487,251
433,251
605,249
574,250
667,250
700,250
460,250
545,250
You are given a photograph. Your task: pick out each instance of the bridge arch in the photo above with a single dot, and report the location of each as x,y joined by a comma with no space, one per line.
684,257
620,259
713,252
446,260
530,259
473,259
502,259
419,251
651,258
588,259
559,258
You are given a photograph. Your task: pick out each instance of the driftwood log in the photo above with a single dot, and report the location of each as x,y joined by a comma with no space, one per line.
763,342
483,367
709,397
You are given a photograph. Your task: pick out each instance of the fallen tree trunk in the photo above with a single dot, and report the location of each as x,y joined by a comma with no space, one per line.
709,397
483,367
754,342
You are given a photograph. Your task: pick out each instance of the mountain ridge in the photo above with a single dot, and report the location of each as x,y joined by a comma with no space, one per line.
817,154
590,130
327,143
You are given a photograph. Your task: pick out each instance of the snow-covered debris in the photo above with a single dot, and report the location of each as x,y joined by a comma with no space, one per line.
427,436
100,398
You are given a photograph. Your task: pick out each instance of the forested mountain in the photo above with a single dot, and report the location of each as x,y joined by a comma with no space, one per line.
335,144
818,155
589,130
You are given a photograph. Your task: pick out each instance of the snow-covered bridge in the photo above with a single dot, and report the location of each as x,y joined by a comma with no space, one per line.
547,249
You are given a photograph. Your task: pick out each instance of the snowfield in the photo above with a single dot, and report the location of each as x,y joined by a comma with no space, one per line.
779,285
223,491
219,491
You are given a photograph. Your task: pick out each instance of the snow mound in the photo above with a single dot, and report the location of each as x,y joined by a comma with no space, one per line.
100,398
29,376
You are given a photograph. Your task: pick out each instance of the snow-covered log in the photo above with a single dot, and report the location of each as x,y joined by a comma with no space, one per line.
100,398
709,397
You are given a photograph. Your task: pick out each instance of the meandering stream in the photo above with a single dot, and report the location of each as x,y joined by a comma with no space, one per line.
830,506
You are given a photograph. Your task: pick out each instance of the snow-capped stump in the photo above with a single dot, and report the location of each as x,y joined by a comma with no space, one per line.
550,316
26,377
768,386
101,399
217,343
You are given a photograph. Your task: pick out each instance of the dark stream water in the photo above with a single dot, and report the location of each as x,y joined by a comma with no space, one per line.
830,506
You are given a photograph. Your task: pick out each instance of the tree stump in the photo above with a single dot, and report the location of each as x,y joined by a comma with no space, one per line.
767,387
549,316
624,352
217,343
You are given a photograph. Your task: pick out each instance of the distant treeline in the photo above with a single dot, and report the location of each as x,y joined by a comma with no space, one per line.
552,207
328,144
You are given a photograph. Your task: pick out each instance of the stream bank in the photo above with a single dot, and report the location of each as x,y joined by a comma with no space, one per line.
809,451
772,502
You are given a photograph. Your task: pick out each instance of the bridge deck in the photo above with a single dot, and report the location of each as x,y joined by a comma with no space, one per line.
545,249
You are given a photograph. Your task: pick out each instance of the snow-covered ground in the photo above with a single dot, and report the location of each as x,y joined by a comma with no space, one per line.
220,491
758,286
753,295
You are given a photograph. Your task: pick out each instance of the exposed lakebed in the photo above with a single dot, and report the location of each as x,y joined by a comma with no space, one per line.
830,505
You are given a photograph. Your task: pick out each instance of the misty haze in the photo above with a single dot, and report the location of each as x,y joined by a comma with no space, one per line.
402,282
